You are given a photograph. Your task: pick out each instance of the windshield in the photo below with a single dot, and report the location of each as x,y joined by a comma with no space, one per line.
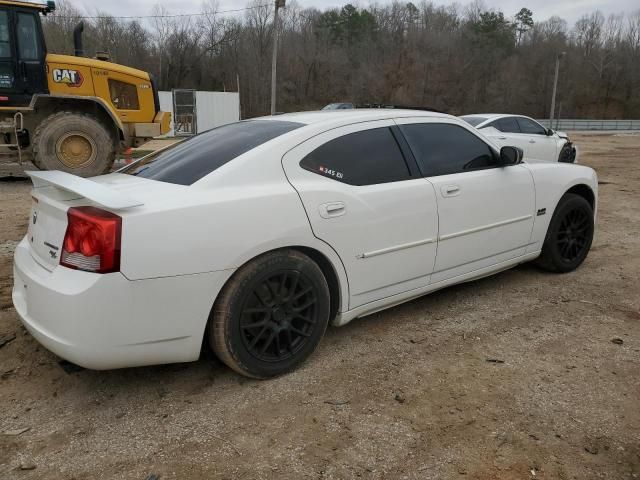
190,160
473,120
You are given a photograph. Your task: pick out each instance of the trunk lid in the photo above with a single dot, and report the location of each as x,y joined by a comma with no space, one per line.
53,193
47,225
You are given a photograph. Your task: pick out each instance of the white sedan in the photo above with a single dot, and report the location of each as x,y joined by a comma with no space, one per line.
254,236
536,141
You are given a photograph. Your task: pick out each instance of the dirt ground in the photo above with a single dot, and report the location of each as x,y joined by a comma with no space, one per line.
407,393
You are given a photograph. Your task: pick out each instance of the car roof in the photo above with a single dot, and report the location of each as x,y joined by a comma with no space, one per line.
351,115
491,116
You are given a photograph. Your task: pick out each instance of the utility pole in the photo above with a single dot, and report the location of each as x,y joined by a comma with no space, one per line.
239,101
555,88
274,59
559,115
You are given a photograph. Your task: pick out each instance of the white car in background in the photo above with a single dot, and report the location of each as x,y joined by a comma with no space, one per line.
536,141
254,236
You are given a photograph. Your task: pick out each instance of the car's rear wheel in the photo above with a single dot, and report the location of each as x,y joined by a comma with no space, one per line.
271,314
569,236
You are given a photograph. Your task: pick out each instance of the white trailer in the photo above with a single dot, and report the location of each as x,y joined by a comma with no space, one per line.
194,111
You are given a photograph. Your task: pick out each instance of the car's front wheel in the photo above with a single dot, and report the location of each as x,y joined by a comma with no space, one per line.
569,235
271,314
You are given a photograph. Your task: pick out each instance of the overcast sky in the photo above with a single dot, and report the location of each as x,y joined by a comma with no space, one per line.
570,10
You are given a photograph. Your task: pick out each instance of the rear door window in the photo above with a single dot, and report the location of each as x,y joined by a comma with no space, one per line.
529,126
192,159
362,158
442,149
506,125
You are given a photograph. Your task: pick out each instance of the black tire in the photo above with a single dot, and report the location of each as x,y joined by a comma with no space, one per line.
74,142
271,314
569,236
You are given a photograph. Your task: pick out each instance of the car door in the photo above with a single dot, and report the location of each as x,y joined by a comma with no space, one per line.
370,205
485,211
541,146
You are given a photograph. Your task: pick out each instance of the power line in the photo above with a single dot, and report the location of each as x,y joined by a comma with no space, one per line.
177,15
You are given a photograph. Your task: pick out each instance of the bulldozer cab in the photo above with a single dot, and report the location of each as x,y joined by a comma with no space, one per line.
22,53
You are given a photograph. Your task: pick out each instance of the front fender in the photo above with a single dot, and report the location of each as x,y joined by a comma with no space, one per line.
552,181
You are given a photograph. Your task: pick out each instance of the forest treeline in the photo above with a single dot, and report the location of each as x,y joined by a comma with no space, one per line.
458,59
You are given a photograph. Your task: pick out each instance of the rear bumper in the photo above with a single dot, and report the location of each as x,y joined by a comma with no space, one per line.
107,321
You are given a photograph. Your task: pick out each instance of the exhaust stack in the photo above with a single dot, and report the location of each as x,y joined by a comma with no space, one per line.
77,40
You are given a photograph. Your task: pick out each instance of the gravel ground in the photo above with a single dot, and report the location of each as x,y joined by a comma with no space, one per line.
406,393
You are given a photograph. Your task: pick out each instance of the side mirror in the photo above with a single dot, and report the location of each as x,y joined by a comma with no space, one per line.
510,156
550,132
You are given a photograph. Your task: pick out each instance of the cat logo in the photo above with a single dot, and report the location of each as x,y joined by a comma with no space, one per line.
73,78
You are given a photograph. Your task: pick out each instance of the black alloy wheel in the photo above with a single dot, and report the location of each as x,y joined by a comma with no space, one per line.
271,314
574,234
569,235
279,316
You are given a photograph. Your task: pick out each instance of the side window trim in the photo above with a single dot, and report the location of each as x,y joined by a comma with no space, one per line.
409,157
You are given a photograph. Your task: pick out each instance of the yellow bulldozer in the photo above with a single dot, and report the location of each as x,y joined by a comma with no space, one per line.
64,112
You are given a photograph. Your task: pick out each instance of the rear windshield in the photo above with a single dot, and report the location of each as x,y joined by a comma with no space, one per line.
473,121
190,160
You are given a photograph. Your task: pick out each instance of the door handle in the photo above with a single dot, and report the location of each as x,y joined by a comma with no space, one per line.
450,190
502,138
532,141
332,209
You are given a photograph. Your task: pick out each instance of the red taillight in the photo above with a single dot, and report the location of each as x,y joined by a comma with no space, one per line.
92,240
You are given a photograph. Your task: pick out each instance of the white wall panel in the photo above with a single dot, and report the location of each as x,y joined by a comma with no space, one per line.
212,109
216,108
166,105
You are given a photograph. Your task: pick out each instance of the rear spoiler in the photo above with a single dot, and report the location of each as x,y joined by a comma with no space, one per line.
94,191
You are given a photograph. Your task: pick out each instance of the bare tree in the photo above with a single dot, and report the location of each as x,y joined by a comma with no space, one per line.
454,58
